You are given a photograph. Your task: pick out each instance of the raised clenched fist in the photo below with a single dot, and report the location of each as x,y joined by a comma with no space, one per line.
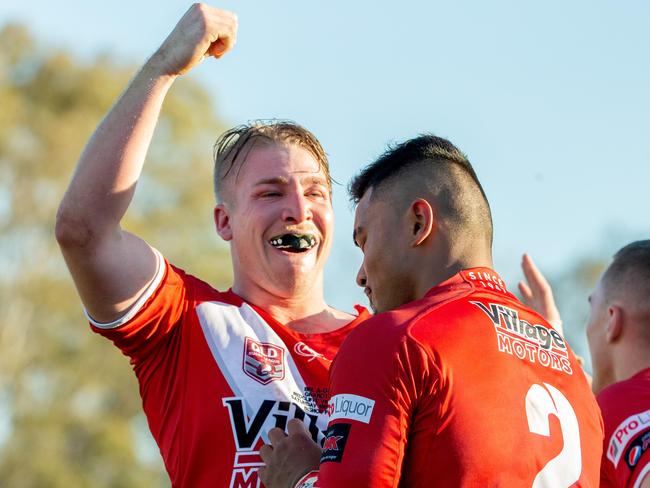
203,31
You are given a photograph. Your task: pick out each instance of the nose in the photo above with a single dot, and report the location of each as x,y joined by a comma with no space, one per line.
297,208
361,277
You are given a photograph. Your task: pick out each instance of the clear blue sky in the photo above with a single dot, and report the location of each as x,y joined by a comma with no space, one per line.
550,100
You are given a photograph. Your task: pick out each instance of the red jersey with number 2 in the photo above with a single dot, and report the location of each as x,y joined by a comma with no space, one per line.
466,387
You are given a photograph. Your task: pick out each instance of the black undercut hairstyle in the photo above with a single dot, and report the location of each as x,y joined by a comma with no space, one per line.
425,147
443,168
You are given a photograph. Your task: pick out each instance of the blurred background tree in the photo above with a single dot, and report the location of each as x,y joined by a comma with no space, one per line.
70,412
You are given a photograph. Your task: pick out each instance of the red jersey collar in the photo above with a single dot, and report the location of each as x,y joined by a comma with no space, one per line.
478,278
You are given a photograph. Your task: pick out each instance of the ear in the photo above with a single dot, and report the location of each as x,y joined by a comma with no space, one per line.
222,222
421,220
614,323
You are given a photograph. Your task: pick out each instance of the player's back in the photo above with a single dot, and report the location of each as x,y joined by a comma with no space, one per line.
510,404
468,388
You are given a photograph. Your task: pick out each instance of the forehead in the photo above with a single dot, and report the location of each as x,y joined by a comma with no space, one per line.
270,161
598,293
366,211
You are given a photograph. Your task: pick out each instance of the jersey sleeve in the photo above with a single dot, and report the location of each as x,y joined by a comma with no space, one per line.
152,317
642,468
376,382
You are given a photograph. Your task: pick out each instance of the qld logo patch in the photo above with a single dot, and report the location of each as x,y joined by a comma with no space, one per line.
334,443
263,362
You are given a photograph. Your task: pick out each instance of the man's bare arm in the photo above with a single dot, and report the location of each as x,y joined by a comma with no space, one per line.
111,268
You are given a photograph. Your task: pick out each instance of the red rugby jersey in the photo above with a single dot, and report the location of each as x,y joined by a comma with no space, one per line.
216,373
466,387
626,412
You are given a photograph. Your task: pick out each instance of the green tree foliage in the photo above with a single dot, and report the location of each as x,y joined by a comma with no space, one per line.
70,412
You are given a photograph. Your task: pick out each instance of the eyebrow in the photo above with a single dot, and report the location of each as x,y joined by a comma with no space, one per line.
276,180
282,180
315,180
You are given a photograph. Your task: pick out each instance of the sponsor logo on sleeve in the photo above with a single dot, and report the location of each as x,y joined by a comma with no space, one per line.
637,447
624,434
334,443
350,407
264,362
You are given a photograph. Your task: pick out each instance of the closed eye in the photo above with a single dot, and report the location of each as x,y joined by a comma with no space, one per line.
269,194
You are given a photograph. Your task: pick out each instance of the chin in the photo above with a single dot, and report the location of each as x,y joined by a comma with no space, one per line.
296,279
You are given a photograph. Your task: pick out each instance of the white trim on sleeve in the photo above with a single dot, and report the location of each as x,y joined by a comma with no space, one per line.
645,471
135,308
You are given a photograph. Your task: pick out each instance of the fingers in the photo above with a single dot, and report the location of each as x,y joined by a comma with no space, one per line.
266,452
535,278
295,426
536,290
220,28
526,293
203,31
537,293
276,435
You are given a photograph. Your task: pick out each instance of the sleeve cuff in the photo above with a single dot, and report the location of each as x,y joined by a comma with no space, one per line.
135,308
308,481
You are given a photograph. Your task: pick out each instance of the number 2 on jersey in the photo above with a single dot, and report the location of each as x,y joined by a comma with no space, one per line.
564,469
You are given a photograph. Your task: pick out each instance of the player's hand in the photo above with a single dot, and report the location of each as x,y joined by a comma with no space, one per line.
538,295
203,31
288,457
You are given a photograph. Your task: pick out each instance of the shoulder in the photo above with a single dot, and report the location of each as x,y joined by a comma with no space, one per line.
625,399
621,392
195,288
395,331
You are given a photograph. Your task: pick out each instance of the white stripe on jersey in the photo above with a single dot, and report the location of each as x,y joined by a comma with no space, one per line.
226,327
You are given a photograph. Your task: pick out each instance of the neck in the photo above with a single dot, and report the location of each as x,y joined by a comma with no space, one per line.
442,266
630,362
301,310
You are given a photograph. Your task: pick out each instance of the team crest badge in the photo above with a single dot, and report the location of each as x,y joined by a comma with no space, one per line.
263,362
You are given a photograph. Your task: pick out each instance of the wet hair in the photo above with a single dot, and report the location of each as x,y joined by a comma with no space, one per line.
233,147
438,169
630,271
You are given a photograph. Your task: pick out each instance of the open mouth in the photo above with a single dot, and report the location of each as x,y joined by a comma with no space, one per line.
293,242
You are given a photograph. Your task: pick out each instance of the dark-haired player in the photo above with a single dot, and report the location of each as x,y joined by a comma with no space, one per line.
455,382
216,369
